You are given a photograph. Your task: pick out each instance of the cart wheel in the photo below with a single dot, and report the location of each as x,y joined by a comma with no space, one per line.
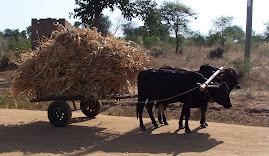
59,113
90,107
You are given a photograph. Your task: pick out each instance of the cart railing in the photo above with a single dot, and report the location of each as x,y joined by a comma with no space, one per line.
64,98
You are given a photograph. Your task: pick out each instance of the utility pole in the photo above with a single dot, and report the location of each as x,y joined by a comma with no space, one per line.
248,30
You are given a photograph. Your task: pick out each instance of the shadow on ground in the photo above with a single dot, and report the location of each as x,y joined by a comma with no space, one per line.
42,137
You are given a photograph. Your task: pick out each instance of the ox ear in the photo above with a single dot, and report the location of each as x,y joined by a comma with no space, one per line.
224,85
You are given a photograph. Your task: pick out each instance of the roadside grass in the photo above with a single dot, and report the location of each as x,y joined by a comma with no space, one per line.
21,103
253,77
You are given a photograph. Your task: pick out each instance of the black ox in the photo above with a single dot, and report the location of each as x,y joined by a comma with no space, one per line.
157,85
229,76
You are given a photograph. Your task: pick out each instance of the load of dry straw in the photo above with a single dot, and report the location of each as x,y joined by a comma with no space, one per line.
79,62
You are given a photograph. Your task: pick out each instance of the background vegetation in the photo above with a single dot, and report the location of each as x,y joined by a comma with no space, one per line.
166,36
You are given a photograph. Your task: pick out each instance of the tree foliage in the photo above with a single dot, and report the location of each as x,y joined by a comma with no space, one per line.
220,24
198,39
104,25
234,34
131,33
176,16
130,30
148,12
14,40
213,39
90,11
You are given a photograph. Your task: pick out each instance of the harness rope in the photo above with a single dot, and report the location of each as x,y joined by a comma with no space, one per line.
169,97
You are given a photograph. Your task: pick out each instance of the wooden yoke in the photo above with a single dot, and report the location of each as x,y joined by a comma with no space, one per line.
205,84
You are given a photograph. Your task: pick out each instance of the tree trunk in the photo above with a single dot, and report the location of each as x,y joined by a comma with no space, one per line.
222,39
96,21
176,43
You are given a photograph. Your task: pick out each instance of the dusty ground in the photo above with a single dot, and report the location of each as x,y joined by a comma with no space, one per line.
245,111
25,132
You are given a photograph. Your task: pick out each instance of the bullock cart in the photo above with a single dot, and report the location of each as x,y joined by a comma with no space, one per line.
60,112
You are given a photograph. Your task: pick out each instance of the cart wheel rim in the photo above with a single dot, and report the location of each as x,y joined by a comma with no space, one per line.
91,108
59,113
88,106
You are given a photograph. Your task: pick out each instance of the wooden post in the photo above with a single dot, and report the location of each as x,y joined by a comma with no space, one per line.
248,30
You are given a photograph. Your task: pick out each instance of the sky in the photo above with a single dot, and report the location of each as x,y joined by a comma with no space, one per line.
17,14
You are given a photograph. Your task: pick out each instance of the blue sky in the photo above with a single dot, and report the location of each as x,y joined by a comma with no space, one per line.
17,14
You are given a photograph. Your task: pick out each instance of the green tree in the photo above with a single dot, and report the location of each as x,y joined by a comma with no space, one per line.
15,40
220,24
176,16
90,11
147,11
198,39
130,30
104,25
257,39
2,42
213,39
11,33
131,33
234,34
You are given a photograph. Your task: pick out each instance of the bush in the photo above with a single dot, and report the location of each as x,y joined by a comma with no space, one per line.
156,52
213,39
149,41
4,61
3,101
216,53
21,103
242,66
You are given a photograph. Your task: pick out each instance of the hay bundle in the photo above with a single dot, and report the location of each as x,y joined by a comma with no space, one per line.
79,62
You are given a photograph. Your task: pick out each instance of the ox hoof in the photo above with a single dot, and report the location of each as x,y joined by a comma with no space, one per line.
166,123
181,127
142,128
206,124
187,130
203,126
160,122
156,126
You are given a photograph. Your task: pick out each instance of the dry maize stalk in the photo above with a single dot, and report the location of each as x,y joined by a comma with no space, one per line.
79,62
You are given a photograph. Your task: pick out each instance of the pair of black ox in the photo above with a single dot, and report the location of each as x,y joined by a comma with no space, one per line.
229,76
164,85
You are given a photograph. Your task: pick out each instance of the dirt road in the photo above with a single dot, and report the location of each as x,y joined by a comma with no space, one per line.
24,132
